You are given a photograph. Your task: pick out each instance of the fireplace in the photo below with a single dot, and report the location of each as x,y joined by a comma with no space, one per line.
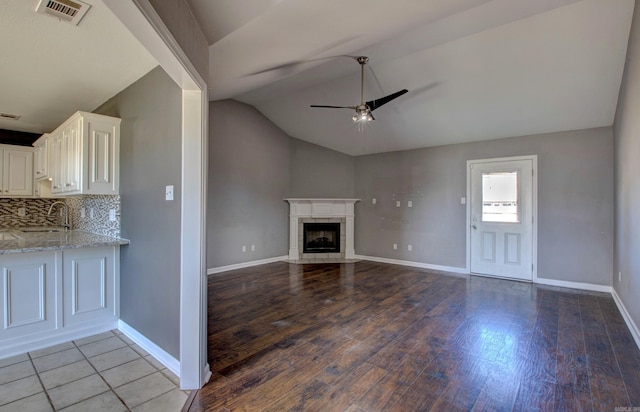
330,235
321,238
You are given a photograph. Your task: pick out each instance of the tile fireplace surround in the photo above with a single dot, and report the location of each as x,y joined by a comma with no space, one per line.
321,211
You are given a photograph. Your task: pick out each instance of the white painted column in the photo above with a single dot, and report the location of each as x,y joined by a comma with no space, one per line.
294,253
349,248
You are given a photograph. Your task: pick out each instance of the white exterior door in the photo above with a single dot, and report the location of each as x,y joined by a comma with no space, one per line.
501,217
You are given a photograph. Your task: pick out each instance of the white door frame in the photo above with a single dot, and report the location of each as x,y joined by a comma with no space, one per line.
534,183
141,19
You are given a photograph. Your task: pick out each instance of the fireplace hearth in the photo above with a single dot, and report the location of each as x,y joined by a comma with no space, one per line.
321,238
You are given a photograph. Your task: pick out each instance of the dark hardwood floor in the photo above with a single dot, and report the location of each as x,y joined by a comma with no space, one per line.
376,337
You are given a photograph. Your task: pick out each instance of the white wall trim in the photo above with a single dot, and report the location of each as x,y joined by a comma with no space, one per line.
633,328
574,285
220,269
462,271
139,17
154,350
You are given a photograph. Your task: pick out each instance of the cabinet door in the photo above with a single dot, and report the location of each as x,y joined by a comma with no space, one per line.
28,293
89,284
17,173
102,166
41,160
72,152
56,163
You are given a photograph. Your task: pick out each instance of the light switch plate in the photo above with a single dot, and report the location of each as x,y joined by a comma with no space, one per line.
409,203
168,193
397,203
112,215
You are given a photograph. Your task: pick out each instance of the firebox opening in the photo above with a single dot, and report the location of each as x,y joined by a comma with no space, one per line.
321,238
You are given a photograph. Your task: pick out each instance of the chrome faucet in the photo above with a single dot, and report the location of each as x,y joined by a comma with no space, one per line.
67,223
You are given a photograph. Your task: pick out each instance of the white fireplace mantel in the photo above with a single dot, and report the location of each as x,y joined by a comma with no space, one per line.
320,208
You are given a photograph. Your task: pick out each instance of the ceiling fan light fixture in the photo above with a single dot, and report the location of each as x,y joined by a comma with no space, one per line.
363,114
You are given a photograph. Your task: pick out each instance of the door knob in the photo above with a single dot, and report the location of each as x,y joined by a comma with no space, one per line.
474,227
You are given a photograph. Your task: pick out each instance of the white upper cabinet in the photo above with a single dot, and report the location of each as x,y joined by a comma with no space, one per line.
41,158
84,155
16,170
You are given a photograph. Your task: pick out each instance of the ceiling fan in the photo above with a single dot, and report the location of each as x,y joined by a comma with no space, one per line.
364,109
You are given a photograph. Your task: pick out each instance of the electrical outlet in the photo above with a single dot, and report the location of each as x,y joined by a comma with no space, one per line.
83,212
463,200
112,215
168,193
22,211
253,248
409,203
374,201
91,214
244,248
409,248
395,246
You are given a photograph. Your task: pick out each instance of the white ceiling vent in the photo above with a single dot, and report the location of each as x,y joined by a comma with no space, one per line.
67,10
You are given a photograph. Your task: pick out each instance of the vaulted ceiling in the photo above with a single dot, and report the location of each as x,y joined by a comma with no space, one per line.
475,69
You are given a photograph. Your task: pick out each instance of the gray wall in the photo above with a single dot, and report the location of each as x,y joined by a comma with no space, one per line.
253,166
150,159
179,19
320,172
248,179
627,143
575,207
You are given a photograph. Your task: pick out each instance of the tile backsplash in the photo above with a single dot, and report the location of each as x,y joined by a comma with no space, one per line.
19,212
35,212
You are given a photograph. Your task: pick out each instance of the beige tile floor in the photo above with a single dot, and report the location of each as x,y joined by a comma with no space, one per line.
105,372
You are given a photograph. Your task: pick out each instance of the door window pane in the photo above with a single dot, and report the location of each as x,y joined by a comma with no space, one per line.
500,197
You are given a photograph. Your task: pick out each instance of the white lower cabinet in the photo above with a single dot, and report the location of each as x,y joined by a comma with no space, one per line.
53,297
89,285
28,294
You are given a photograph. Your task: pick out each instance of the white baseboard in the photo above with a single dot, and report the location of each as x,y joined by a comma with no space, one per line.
154,350
220,269
45,339
573,285
462,271
633,328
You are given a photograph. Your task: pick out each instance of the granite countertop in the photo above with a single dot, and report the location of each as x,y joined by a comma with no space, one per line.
17,241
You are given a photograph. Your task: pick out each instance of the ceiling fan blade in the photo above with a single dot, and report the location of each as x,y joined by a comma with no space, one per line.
333,107
374,104
289,67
